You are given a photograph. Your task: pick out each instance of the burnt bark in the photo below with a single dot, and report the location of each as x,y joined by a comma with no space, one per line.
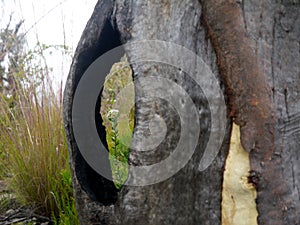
253,48
251,106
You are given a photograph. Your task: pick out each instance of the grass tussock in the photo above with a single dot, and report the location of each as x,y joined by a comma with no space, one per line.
33,151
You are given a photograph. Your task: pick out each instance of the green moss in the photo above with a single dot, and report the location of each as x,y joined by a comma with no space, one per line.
117,112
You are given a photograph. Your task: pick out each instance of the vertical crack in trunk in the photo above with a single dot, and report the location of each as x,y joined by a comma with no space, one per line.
251,103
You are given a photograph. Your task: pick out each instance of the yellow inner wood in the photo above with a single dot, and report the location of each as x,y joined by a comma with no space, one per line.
238,196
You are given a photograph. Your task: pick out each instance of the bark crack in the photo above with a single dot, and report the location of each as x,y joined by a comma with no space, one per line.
244,15
286,102
272,57
293,175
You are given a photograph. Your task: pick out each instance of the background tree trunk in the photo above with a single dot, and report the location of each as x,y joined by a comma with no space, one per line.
192,196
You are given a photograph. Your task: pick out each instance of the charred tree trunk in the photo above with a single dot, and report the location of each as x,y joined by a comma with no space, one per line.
253,49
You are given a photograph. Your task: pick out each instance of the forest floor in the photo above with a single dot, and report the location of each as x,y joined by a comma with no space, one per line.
12,213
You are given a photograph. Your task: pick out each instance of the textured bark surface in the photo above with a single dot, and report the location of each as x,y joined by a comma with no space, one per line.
258,39
249,46
251,103
189,197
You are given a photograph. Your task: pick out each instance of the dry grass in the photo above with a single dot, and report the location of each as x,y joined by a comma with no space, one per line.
34,151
